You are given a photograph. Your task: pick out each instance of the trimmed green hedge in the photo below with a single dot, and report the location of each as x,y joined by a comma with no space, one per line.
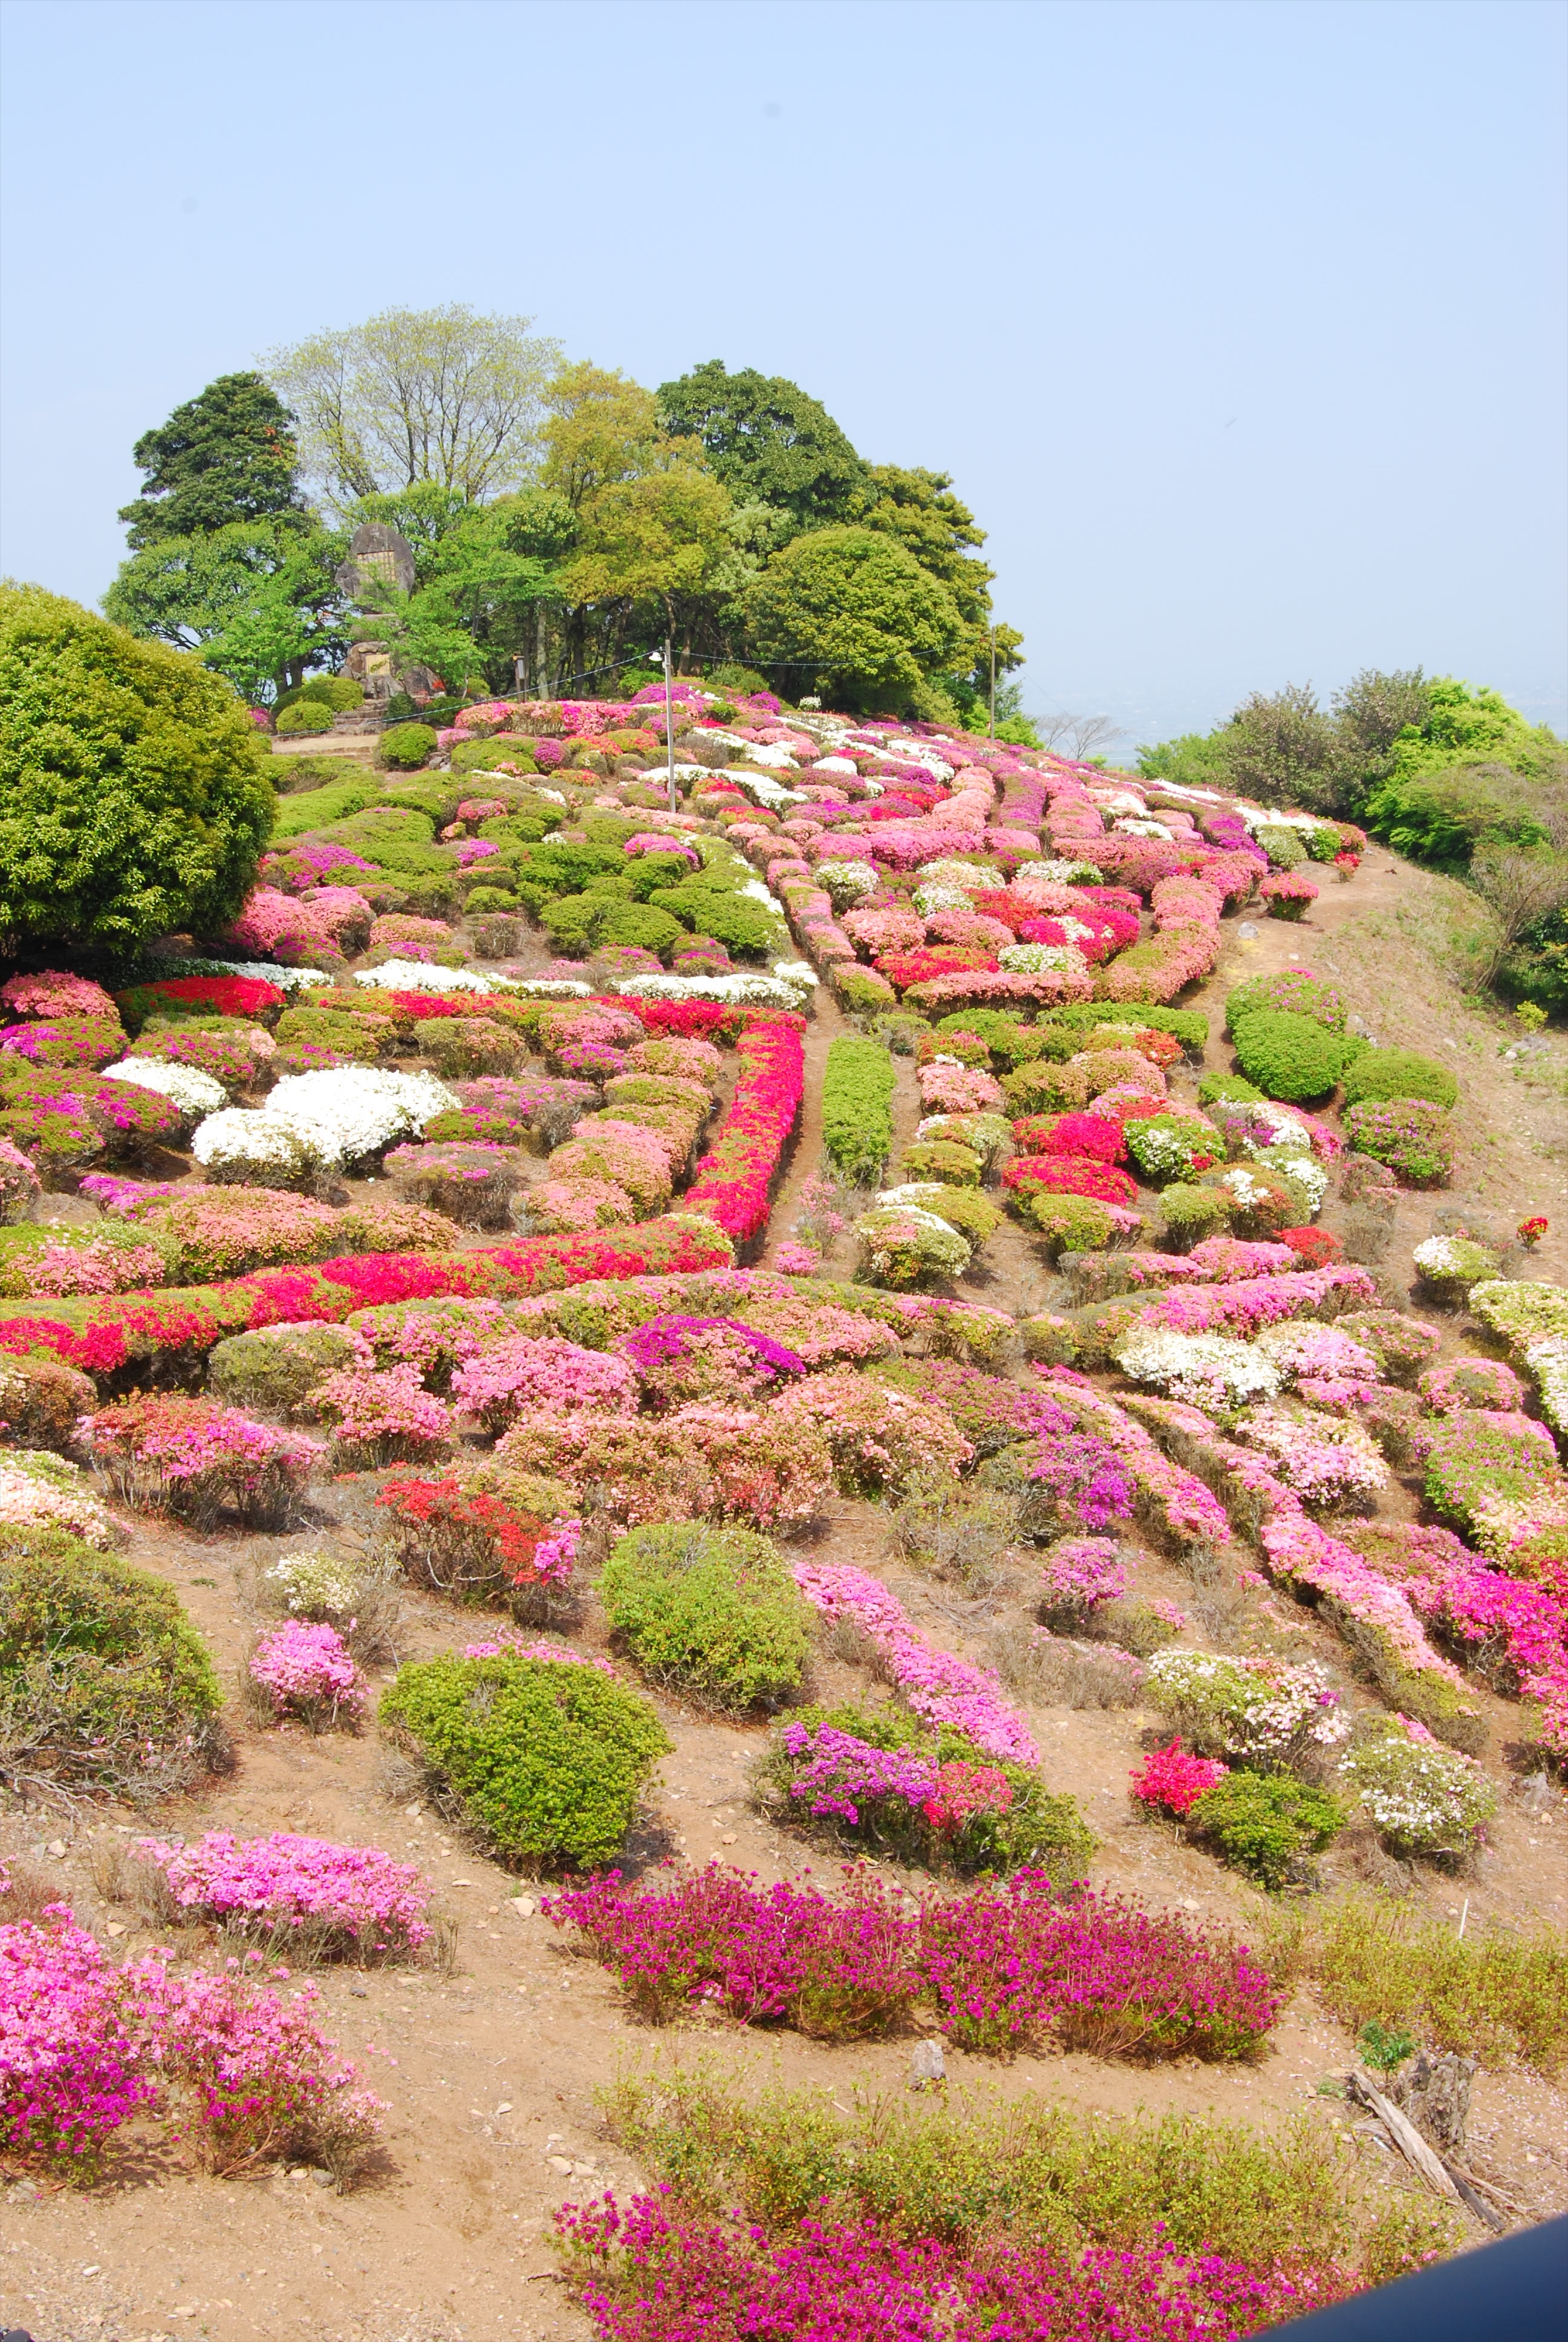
547,1759
710,1612
1290,1056
857,1110
1399,1074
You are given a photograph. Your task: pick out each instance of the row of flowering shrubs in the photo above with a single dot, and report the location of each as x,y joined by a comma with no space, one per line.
999,1966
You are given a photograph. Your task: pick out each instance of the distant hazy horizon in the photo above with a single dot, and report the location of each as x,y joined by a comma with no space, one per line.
1240,324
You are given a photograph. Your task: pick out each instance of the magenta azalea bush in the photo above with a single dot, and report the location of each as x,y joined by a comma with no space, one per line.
347,1901
305,1669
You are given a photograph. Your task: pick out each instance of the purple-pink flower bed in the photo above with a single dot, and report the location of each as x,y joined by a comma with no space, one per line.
997,1967
658,2271
353,1901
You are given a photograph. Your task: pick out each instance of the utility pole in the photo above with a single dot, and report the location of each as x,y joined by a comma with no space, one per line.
993,683
670,729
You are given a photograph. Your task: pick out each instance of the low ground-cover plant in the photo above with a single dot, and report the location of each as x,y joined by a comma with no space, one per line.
102,1677
962,2168
710,1612
237,2073
857,1110
298,1897
546,1762
1000,1964
1492,1995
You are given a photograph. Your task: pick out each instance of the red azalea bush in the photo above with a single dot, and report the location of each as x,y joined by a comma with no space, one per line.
1314,1247
733,1181
485,1539
1094,1136
1068,1174
1174,1779
220,995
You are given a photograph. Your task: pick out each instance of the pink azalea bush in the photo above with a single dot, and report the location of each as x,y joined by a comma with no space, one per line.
237,2074
305,1669
54,992
936,1684
1079,1574
382,1418
192,1456
353,1901
518,1376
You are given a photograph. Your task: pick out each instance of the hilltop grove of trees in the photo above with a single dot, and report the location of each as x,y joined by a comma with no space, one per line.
1452,777
562,516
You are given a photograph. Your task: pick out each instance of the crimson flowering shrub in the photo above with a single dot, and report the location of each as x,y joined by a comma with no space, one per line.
249,997
488,1536
191,1456
659,2270
733,1181
1175,1780
1100,1138
305,1670
299,1893
235,2071
1003,1963
53,992
1068,1174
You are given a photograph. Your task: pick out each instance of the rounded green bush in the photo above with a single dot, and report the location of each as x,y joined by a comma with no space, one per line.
1281,843
968,1211
273,1372
1264,1823
939,1158
713,1613
134,791
547,1758
480,899
1233,1089
638,924
404,747
337,692
1399,1074
1290,1056
101,1671
303,716
484,755
1288,988
1189,1214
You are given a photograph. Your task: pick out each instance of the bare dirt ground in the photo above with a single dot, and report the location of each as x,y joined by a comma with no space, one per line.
490,2070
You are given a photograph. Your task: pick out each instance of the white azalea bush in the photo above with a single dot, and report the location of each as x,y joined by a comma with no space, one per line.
1205,1370
1453,1264
1040,960
904,1243
194,1092
421,976
1420,1797
317,1123
1259,1710
846,884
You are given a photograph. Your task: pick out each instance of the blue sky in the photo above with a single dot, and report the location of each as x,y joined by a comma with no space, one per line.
1242,328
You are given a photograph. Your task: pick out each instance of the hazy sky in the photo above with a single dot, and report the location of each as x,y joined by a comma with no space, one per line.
1242,328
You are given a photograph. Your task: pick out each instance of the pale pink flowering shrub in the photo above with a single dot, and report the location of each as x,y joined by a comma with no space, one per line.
570,1207
432,1336
344,914
62,1269
725,1461
305,1670
958,1089
52,991
19,1183
517,1376
621,1154
189,1455
339,1901
936,1684
1317,1352
794,1259
879,1437
1331,1465
1486,1383
275,925
507,1639
382,1418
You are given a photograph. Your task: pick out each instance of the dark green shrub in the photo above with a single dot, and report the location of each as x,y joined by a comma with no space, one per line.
102,1677
546,1760
713,1613
941,1158
304,715
857,1110
134,790
479,902
1290,1056
272,1372
1283,846
732,919
1267,1823
966,1209
1290,989
1189,1214
1399,1074
404,747
638,924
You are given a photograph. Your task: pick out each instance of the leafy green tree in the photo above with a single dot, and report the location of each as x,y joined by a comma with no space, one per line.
482,573
134,791
768,442
419,395
1371,715
260,602
225,459
919,509
1279,747
1194,760
859,614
